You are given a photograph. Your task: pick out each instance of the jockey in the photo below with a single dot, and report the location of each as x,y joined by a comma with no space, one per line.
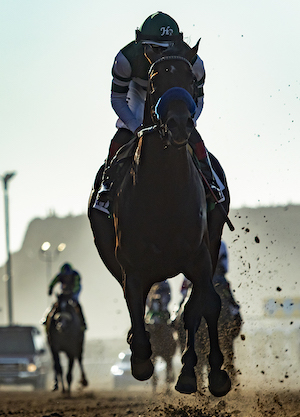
157,302
70,281
129,88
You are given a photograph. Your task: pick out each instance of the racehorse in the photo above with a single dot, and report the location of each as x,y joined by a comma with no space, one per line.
160,226
65,334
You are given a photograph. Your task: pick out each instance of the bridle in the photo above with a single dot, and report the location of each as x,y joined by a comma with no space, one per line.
158,124
169,58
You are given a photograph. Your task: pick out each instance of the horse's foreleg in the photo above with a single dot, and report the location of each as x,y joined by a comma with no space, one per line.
187,382
219,381
69,374
57,371
199,272
204,301
138,338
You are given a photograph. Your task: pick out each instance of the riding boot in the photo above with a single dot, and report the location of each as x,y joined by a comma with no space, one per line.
112,171
110,179
50,313
43,320
211,187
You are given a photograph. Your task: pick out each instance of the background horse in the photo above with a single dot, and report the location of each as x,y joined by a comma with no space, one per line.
65,334
160,226
161,331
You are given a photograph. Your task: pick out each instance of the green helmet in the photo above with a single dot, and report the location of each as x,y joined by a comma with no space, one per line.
160,29
66,269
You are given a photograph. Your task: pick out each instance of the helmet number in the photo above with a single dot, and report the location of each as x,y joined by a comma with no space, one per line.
166,31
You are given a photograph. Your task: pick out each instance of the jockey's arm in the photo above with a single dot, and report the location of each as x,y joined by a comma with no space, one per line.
121,72
199,72
53,283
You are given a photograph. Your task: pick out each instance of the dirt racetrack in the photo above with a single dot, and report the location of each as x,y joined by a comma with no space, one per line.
144,404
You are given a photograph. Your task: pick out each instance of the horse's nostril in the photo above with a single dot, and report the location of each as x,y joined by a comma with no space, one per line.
172,123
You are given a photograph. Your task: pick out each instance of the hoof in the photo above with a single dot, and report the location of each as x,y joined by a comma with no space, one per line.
219,383
141,369
186,384
84,382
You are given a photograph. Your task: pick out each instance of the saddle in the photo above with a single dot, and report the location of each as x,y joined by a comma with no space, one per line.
113,173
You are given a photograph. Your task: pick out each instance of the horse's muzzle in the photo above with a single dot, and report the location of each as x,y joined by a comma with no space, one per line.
179,130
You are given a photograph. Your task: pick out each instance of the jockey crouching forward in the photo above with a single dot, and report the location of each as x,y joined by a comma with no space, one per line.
70,281
128,95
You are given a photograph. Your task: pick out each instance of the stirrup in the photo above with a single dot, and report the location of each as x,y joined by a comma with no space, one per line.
102,206
218,193
105,188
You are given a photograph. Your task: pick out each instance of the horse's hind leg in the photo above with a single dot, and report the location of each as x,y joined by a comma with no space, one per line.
83,380
204,301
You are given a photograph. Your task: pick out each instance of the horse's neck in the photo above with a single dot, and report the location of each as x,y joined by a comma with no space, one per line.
163,161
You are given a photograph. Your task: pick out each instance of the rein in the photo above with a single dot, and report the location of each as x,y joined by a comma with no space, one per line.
146,130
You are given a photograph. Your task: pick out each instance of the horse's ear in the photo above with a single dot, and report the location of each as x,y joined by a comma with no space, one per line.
194,50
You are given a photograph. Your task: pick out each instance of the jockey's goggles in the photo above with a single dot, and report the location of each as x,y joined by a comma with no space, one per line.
158,45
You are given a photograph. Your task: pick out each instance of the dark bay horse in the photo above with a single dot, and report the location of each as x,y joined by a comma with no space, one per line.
65,334
160,226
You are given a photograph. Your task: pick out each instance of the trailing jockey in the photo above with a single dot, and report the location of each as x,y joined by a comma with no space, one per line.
70,281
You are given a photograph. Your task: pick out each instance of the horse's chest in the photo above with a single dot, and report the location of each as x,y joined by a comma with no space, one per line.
164,253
